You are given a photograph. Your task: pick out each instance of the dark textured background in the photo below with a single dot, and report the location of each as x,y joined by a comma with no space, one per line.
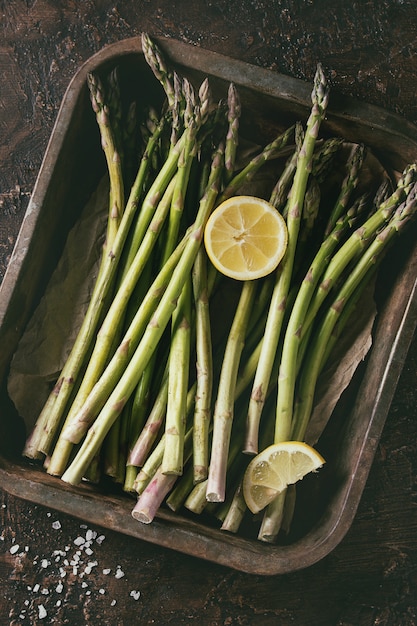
368,49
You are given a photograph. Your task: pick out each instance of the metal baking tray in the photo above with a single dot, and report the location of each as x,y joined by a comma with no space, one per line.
72,166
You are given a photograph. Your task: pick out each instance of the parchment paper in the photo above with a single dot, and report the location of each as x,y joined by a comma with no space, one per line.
47,340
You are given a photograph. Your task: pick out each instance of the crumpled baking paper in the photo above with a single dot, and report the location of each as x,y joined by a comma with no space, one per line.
352,347
51,331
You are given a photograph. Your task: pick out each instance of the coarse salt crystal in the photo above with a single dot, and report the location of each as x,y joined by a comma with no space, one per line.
42,611
58,603
102,591
79,541
14,548
106,571
90,534
135,594
119,573
100,539
45,563
113,602
58,553
89,551
36,588
56,525
84,584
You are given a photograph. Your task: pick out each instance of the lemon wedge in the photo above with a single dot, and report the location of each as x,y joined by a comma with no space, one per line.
276,467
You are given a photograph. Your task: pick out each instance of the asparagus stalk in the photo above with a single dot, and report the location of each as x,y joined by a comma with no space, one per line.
52,414
178,200
153,460
48,423
279,195
284,272
129,135
232,138
322,161
235,512
359,239
272,519
152,334
371,257
157,489
107,110
179,159
224,407
349,184
111,453
204,368
158,64
140,405
177,110
153,197
153,424
116,312
110,327
181,490
103,387
152,497
290,353
178,374
197,500
323,158
309,218
249,171
317,351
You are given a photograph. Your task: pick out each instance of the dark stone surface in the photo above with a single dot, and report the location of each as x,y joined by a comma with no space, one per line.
368,49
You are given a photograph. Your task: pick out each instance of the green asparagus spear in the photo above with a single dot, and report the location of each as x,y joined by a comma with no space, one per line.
284,272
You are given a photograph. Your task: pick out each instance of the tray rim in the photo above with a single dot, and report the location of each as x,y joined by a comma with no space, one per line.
271,559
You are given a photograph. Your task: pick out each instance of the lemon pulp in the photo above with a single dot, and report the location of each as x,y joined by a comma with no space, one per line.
245,238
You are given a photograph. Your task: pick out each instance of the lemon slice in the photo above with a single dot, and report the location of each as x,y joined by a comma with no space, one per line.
276,467
245,238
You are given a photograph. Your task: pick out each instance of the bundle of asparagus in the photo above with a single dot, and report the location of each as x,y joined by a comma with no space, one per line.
156,394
